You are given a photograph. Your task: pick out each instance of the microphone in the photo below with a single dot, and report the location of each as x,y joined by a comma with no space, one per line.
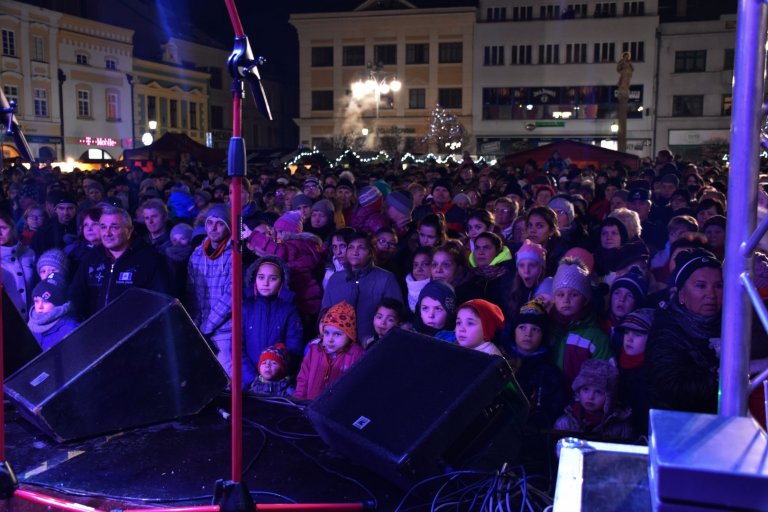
13,129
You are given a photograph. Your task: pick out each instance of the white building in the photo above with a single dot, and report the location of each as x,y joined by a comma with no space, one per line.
693,105
547,70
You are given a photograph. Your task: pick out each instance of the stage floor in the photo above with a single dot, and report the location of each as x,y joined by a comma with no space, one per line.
178,463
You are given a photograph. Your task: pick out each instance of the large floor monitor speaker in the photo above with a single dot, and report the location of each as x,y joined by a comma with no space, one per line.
140,360
416,406
19,344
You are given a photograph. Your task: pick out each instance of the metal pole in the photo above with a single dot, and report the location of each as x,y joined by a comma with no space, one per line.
129,77
749,72
62,78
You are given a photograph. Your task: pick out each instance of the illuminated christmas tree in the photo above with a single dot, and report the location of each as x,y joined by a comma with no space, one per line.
445,133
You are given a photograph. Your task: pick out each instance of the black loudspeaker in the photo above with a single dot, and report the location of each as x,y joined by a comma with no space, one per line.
416,406
19,345
140,360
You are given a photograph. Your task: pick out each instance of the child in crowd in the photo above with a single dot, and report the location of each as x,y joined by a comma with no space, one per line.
388,315
273,378
540,380
34,218
477,323
627,294
436,311
421,272
594,410
51,318
181,243
269,314
530,261
53,261
577,336
337,253
331,355
633,379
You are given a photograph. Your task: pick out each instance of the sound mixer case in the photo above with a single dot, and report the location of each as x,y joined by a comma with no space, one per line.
138,361
416,406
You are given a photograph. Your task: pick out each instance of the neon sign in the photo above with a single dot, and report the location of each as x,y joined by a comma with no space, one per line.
98,141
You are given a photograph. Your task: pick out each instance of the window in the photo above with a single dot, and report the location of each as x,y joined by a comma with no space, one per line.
728,60
9,43
449,98
725,109
549,12
496,14
385,54
450,53
521,54
417,53
41,103
174,107
576,53
322,100
605,10
322,56
111,64
524,13
688,106
690,61
83,103
549,54
216,77
576,10
217,117
82,59
494,56
152,108
192,115
12,94
417,98
113,106
634,8
605,52
636,50
38,49
353,56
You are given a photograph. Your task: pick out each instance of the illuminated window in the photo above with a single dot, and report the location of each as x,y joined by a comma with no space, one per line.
113,106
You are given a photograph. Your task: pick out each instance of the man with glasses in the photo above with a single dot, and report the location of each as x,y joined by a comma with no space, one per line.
312,188
505,213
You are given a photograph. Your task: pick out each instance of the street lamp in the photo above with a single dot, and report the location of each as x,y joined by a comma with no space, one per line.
375,82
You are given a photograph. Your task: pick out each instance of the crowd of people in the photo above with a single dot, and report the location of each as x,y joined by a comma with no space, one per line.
601,287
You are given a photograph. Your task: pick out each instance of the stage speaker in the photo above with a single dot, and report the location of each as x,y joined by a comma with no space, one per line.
140,360
19,345
415,406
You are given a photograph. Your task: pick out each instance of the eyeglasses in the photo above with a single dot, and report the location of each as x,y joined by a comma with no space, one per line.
501,210
386,243
311,187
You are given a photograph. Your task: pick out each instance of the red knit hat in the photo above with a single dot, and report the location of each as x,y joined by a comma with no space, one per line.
342,316
491,317
277,353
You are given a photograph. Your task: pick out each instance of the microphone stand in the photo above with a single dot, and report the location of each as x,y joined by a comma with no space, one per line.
231,495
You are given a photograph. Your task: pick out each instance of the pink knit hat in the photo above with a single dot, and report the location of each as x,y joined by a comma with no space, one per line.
530,251
584,255
289,222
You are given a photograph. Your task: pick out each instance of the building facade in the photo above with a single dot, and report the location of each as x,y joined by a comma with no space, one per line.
693,106
548,70
429,51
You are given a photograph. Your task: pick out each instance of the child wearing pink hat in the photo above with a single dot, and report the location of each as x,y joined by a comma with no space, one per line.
530,261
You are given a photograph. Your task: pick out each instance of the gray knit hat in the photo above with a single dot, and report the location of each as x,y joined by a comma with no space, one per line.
325,206
300,200
401,201
561,203
56,259
572,273
182,229
220,211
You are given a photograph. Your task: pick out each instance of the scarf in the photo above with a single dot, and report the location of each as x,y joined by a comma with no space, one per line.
590,420
43,322
628,362
212,253
697,326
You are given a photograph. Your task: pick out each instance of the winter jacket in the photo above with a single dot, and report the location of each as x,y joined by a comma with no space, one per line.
363,289
541,382
269,320
493,283
280,387
303,253
615,425
319,370
414,289
100,279
51,327
369,219
682,368
575,343
54,235
19,275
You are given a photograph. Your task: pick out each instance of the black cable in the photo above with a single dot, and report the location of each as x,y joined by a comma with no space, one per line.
256,455
434,478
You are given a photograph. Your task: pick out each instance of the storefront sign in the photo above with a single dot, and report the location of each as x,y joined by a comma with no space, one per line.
98,141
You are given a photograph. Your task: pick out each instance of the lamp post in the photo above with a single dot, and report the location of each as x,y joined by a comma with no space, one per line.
62,78
129,77
375,82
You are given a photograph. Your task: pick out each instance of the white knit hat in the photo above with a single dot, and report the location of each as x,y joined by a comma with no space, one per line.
572,273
